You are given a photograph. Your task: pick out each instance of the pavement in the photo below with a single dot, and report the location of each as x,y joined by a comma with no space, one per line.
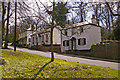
73,58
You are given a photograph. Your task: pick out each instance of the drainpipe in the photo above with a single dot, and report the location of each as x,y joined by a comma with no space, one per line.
61,40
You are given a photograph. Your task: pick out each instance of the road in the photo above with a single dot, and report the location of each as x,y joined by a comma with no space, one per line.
112,65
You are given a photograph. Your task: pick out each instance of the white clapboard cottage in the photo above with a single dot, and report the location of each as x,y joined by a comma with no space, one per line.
41,38
24,37
80,36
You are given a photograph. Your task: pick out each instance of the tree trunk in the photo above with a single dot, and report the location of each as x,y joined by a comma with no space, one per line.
81,11
118,10
108,20
3,22
36,38
52,27
52,50
96,13
6,37
15,26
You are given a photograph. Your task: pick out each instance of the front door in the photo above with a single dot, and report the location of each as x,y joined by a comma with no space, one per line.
73,44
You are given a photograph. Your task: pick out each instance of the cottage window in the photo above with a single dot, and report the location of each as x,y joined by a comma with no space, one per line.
33,40
78,41
46,37
67,43
39,38
63,43
42,38
82,41
36,40
29,40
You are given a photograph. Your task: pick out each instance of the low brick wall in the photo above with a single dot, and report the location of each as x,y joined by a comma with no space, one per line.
110,51
56,48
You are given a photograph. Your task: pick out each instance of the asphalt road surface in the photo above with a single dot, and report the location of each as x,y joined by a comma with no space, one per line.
112,65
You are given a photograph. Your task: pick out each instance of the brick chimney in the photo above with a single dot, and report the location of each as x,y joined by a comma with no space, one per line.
94,21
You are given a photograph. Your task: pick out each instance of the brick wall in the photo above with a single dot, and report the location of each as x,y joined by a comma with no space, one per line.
56,48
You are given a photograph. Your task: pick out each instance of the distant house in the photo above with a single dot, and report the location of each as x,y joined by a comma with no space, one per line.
41,38
24,37
80,36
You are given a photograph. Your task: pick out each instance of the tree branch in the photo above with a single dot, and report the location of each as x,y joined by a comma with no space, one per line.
111,10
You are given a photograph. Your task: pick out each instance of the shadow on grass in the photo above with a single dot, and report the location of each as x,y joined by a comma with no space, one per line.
41,69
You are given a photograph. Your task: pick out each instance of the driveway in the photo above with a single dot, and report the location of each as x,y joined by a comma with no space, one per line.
112,65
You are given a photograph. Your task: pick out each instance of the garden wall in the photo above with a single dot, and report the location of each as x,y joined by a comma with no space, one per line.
56,48
110,51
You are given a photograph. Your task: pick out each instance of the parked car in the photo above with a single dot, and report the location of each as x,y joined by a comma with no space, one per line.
3,44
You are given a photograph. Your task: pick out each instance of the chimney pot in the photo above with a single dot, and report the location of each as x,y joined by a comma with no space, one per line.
94,21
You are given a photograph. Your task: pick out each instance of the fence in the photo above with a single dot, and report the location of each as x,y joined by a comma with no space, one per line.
110,51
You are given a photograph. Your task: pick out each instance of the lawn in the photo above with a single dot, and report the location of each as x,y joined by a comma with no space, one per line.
25,65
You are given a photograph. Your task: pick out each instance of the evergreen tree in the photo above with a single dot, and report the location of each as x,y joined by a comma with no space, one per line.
60,14
116,31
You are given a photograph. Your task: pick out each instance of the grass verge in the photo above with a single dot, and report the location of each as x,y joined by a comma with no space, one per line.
25,65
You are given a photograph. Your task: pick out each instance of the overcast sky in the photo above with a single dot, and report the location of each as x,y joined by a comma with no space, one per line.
70,2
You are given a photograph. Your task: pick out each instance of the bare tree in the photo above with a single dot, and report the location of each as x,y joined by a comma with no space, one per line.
6,36
81,11
3,21
6,15
78,11
15,25
114,14
53,14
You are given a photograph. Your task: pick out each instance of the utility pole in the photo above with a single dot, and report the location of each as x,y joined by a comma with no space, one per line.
15,25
